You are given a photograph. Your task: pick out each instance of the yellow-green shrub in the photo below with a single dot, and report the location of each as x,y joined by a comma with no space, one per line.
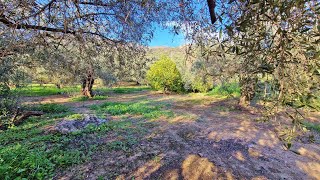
163,75
198,85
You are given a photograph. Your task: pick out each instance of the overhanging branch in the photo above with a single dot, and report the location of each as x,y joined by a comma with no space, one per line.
10,24
212,6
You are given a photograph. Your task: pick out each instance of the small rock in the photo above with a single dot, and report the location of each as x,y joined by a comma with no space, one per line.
67,126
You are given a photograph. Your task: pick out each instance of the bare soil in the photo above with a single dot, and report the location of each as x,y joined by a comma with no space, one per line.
208,138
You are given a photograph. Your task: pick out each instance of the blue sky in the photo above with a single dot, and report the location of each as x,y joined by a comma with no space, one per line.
163,37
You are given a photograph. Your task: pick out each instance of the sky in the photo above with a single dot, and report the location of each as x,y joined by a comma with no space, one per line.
163,37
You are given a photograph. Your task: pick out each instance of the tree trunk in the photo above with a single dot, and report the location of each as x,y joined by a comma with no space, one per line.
87,84
248,88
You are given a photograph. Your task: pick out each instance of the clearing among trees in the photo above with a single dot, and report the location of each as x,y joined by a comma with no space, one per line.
88,90
143,134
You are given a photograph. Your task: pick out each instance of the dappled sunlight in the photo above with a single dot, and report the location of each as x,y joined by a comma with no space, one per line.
148,168
182,136
248,131
58,99
254,152
308,153
224,113
194,167
310,168
238,155
245,130
215,136
268,139
195,99
172,174
259,178
183,119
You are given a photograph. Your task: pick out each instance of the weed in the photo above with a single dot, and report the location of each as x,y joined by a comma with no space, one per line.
45,90
312,126
125,90
26,152
51,108
139,108
230,89
75,116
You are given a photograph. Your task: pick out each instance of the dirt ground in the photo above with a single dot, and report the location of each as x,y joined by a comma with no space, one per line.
208,138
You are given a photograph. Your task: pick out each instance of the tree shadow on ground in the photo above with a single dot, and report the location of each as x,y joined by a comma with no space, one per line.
202,141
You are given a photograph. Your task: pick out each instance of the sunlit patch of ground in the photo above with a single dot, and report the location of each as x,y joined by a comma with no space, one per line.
201,137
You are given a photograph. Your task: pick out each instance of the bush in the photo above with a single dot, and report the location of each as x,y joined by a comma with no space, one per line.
8,105
199,86
227,89
164,75
51,108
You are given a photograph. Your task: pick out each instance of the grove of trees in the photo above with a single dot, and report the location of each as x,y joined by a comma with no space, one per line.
268,46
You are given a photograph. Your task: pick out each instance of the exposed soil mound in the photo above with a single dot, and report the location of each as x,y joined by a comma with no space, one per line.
67,126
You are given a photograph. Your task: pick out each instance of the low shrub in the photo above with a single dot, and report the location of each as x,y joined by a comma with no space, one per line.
227,89
51,108
139,108
198,85
163,75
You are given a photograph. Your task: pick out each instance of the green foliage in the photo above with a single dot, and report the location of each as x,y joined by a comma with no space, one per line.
199,86
28,152
226,90
51,108
139,108
8,105
164,75
75,116
44,90
126,90
312,126
25,152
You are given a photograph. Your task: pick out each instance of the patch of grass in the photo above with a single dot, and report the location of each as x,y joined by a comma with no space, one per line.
75,116
230,89
51,89
45,90
99,97
51,108
127,90
27,152
139,108
312,126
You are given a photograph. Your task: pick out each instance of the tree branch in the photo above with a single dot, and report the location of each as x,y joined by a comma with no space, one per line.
10,24
40,11
212,6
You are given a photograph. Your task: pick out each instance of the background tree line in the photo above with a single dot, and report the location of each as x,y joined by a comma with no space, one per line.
267,46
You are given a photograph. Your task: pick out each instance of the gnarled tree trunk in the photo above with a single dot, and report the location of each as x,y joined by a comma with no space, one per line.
87,84
248,89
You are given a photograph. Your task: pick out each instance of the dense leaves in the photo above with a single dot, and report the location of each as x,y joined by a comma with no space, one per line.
164,75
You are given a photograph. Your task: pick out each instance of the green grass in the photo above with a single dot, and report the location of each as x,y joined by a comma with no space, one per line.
27,151
139,108
75,116
128,90
85,98
122,90
50,89
51,108
230,89
45,90
312,126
